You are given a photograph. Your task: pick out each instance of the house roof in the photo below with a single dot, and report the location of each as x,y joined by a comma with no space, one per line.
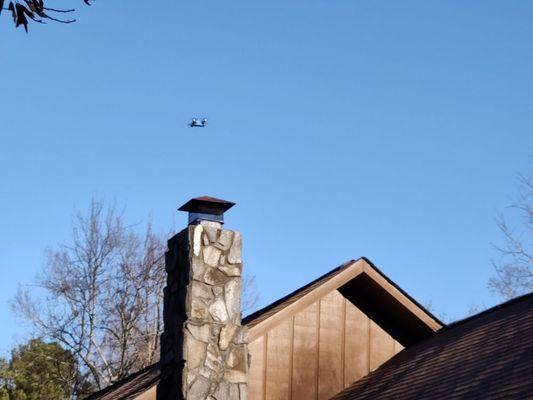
131,386
486,356
362,283
359,281
266,312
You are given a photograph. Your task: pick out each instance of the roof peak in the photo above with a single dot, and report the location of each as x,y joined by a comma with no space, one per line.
366,287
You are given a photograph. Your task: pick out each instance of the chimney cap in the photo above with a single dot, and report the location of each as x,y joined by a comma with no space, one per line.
207,205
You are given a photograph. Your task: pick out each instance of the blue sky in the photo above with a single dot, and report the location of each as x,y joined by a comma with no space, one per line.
392,130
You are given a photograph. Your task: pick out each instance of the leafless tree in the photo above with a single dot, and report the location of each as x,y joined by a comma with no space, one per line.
514,267
250,294
101,296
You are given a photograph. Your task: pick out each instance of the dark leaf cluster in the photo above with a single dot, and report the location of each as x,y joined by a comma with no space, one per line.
35,10
41,370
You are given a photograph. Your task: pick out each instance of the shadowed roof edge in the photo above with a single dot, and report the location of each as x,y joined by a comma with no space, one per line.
251,318
153,374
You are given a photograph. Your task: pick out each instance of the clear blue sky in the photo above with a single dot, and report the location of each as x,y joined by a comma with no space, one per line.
389,129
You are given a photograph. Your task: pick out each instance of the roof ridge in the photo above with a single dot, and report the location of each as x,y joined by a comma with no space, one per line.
442,323
122,381
263,313
489,310
252,316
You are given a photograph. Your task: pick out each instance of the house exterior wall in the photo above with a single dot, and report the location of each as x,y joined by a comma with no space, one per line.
150,394
317,352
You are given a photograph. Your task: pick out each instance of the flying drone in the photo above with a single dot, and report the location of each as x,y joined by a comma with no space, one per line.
198,123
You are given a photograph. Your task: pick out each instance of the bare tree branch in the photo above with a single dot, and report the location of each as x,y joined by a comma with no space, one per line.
514,266
250,294
101,295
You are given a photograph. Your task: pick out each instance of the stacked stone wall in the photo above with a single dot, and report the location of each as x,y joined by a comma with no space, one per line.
204,347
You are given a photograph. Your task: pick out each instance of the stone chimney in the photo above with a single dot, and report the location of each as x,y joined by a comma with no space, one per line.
204,351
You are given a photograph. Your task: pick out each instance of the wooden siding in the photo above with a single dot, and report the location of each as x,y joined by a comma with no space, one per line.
304,355
150,394
257,369
317,352
278,358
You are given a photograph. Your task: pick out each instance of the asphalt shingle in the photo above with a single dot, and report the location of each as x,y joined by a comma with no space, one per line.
487,356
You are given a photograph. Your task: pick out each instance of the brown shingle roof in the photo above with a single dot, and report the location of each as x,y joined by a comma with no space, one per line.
487,356
132,386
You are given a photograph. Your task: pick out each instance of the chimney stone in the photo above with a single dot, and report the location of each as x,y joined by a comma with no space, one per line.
204,352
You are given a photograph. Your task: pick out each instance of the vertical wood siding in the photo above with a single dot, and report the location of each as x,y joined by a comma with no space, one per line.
317,352
255,386
357,348
330,367
305,354
278,361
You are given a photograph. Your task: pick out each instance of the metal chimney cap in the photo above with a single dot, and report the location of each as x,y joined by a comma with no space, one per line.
207,205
